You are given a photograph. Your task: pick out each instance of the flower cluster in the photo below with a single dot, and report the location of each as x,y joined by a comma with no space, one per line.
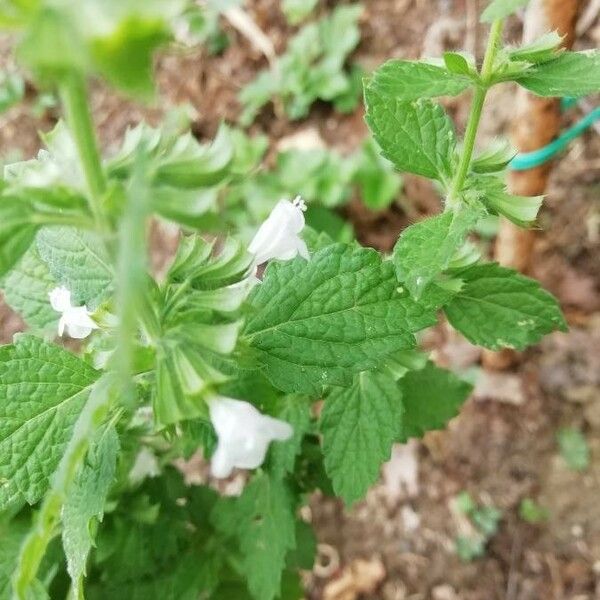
244,434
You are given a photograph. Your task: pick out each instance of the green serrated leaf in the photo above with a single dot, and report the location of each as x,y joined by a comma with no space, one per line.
317,323
500,9
499,308
263,522
42,391
571,74
77,260
359,426
417,137
26,290
431,397
86,500
457,64
410,80
426,249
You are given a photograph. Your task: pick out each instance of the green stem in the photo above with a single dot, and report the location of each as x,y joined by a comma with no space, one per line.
74,95
476,111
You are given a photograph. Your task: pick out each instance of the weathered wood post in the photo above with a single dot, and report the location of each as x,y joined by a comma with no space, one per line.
537,123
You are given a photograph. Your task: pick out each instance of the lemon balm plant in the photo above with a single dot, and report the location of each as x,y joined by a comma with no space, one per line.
304,373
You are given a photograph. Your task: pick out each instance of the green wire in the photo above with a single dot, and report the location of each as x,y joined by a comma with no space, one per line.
530,160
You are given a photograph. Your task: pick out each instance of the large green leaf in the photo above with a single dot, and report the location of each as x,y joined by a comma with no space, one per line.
42,391
499,308
417,136
571,74
359,426
409,80
26,290
431,397
426,249
78,261
317,323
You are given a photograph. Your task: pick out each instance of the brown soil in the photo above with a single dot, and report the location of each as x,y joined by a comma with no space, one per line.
502,447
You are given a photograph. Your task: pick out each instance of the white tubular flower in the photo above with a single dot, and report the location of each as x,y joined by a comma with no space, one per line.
244,435
75,319
278,236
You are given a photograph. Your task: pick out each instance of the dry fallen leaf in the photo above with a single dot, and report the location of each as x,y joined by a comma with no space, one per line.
360,577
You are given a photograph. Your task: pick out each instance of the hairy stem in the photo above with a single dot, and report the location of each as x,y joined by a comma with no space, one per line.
476,111
74,96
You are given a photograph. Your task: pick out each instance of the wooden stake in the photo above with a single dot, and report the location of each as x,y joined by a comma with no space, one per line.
537,123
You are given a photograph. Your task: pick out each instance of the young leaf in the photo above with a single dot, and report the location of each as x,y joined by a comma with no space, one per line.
408,80
42,391
77,260
573,448
571,74
318,323
262,520
426,249
545,48
416,136
499,308
86,500
457,63
431,397
495,158
359,426
492,192
500,9
189,164
312,68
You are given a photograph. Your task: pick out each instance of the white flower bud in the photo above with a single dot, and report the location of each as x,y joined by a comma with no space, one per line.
75,319
244,435
277,237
